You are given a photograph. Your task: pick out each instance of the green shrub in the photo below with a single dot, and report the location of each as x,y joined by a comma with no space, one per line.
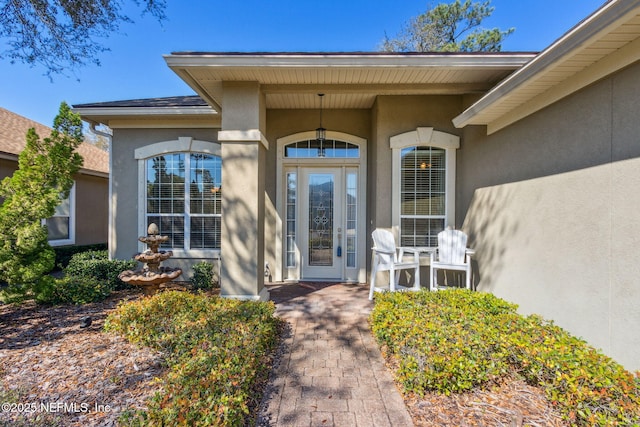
203,276
64,253
74,290
97,266
217,350
455,340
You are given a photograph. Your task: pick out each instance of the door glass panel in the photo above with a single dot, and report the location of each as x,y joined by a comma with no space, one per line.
321,219
352,198
291,219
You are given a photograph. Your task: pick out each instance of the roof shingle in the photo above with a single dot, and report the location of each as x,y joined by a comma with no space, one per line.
13,131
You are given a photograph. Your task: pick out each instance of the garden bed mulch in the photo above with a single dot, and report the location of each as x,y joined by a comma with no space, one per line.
510,402
54,371
513,403
47,358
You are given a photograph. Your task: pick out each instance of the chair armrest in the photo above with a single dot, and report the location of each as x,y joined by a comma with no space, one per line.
410,249
381,251
470,252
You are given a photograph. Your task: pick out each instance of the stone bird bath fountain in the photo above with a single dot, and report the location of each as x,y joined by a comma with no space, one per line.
151,276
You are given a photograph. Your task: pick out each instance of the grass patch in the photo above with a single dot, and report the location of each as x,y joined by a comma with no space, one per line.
217,350
455,340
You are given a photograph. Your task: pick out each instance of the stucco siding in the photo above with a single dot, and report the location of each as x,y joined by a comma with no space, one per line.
550,204
92,209
123,230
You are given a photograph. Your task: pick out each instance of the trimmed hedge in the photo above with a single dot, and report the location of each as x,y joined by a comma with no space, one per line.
454,340
97,266
73,290
218,351
64,253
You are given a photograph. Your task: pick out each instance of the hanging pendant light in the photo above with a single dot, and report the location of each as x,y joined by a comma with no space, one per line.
320,131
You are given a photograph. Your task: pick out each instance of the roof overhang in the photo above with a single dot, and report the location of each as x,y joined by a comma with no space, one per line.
158,112
603,43
349,80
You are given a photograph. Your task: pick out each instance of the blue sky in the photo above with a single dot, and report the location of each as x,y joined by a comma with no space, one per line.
134,66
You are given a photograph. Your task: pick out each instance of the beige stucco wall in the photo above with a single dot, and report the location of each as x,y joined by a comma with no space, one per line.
123,232
92,209
551,206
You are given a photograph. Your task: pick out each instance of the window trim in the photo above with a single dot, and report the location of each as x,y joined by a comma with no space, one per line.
423,137
186,145
72,221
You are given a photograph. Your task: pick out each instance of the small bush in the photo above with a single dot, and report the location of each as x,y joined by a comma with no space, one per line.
74,290
455,340
97,266
218,351
64,253
203,276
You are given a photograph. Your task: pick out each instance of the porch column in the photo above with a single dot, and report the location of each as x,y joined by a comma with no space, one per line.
243,201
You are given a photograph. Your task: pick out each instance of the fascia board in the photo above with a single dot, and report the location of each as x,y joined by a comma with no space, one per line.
183,60
607,16
144,111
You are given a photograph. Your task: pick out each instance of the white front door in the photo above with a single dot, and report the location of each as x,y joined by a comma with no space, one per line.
322,223
321,204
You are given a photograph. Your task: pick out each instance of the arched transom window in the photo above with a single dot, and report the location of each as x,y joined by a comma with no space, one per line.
328,148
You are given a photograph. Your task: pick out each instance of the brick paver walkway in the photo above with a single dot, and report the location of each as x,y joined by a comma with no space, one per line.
331,372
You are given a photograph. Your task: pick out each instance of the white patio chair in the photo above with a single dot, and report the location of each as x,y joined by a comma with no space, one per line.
388,257
452,254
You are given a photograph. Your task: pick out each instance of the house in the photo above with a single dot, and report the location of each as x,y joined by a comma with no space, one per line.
535,156
82,219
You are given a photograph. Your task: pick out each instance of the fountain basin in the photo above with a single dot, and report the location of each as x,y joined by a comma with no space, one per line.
151,257
150,281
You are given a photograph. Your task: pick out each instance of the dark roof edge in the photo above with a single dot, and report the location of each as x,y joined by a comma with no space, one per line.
162,102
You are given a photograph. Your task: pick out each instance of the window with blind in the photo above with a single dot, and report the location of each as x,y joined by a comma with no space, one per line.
184,199
60,226
423,178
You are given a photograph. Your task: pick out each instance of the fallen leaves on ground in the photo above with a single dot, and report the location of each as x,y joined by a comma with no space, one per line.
54,369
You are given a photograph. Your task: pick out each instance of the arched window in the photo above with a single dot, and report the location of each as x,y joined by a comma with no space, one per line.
423,185
183,193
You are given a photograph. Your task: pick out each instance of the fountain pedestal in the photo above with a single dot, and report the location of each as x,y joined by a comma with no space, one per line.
151,276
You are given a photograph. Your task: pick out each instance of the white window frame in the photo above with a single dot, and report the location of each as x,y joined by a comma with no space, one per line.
423,137
187,146
72,221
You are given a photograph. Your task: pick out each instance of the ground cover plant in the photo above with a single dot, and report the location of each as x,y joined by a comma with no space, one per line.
456,340
217,351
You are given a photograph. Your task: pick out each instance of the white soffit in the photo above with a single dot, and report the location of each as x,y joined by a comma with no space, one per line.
350,80
603,43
